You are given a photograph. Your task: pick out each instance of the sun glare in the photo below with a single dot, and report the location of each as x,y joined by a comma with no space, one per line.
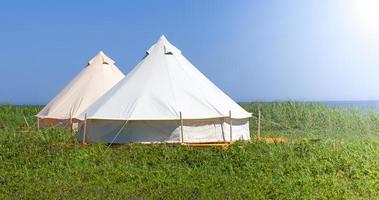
366,15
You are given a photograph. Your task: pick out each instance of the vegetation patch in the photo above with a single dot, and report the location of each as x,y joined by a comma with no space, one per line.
329,153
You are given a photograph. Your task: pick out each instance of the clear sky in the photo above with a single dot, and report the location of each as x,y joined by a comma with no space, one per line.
252,50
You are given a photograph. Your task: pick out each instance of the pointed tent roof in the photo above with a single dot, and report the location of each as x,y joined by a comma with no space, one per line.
91,83
161,86
101,58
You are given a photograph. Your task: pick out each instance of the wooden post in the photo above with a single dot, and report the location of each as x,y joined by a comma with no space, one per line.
181,128
71,123
259,125
231,126
85,129
222,128
37,123
71,129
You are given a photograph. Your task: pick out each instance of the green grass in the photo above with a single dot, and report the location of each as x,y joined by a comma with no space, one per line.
343,163
313,120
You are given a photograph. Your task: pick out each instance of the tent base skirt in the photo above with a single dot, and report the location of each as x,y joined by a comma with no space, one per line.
212,131
55,123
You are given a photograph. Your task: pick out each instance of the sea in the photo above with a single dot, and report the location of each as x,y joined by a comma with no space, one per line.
355,104
369,104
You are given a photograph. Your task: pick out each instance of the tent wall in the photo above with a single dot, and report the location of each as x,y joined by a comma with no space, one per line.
194,131
49,122
54,123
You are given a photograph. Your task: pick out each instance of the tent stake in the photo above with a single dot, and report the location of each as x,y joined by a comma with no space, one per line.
259,125
85,128
231,126
181,128
26,122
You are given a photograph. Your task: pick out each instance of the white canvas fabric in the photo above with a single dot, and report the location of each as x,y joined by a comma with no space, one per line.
163,85
92,82
168,131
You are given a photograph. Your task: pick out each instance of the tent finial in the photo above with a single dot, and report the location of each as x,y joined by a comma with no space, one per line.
163,37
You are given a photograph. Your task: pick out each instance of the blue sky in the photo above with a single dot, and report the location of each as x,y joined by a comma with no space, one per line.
253,50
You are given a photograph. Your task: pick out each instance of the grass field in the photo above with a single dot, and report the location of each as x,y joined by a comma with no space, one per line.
331,153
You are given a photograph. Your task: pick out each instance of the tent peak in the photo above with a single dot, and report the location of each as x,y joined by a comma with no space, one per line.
101,57
163,45
163,38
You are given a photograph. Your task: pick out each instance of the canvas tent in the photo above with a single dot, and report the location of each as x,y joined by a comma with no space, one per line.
164,99
92,82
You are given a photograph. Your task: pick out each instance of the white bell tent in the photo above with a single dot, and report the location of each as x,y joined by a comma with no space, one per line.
91,83
164,99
